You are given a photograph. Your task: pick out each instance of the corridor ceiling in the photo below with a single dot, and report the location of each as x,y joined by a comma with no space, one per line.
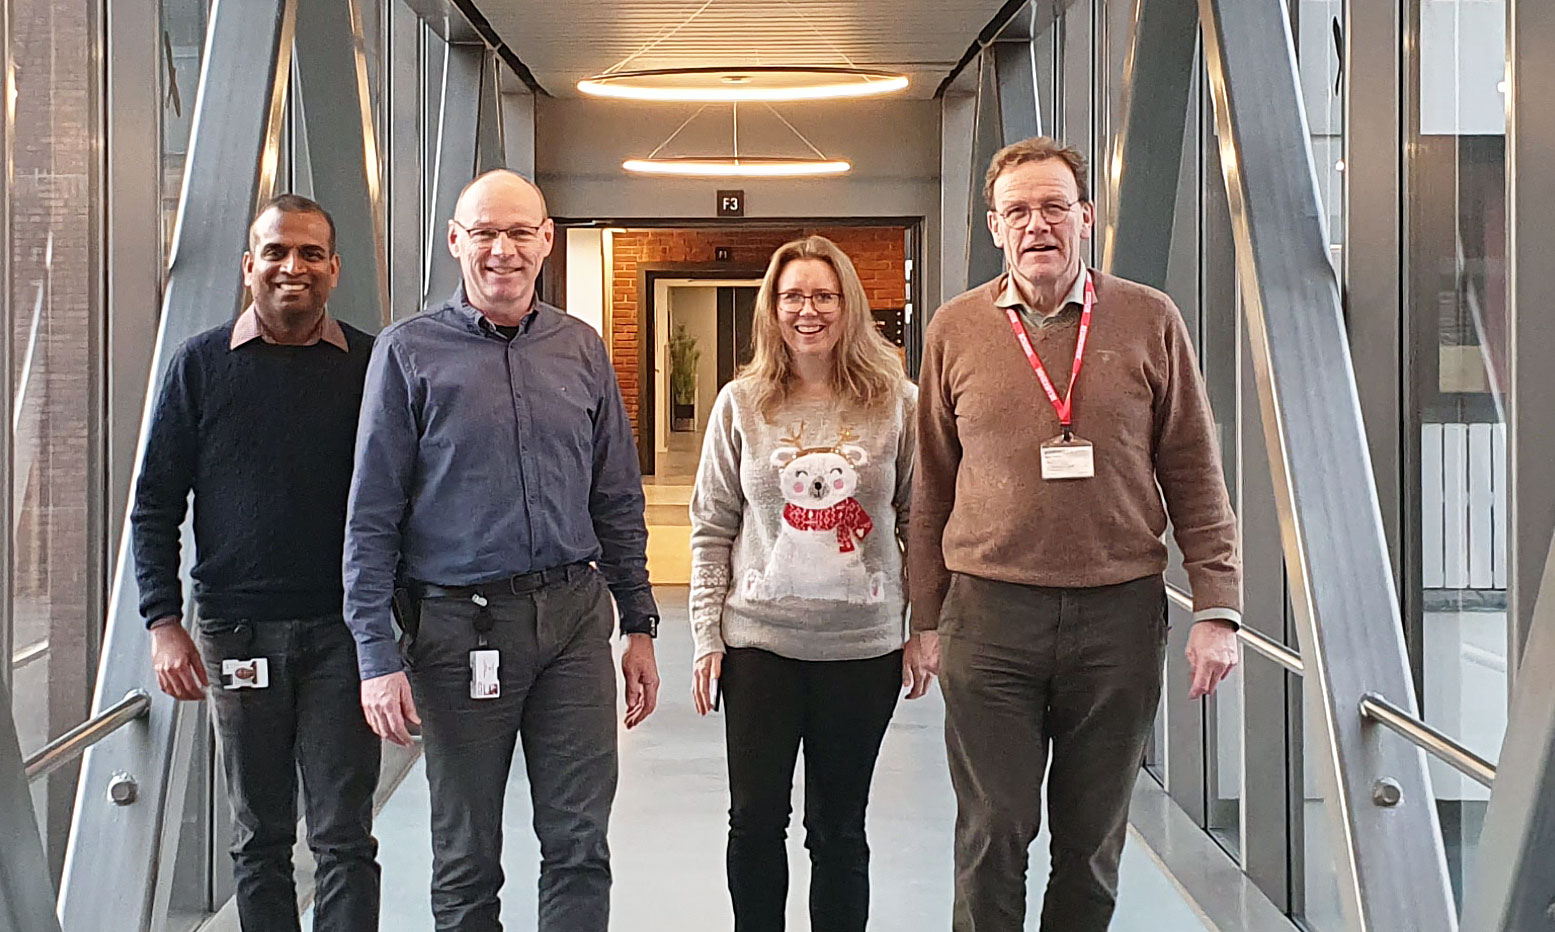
564,42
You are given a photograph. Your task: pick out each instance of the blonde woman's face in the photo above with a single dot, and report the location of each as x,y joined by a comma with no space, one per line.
809,307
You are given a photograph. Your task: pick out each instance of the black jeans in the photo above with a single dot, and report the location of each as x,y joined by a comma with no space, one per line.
559,696
839,709
309,719
1025,669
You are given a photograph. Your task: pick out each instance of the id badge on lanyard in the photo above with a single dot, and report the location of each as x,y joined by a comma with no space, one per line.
1065,456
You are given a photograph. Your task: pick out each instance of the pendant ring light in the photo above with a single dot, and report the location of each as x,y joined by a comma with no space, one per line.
737,165
762,83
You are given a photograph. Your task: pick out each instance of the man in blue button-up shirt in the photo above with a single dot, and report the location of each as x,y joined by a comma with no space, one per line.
497,489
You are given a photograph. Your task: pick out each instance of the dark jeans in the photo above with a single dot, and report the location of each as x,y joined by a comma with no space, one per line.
1023,669
839,709
308,719
559,697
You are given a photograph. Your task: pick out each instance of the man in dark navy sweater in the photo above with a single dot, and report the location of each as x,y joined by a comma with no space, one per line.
257,418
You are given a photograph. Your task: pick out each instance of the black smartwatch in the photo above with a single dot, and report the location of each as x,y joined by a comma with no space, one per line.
648,624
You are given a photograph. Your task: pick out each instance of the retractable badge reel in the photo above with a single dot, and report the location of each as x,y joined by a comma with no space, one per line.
484,682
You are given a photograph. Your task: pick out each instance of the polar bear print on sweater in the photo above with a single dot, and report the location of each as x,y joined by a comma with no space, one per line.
817,553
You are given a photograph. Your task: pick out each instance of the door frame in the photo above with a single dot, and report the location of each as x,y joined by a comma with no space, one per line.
648,275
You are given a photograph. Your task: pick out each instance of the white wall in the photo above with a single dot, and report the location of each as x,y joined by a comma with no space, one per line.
586,279
697,308
894,147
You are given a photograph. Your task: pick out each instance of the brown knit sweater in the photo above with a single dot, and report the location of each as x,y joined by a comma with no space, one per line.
980,505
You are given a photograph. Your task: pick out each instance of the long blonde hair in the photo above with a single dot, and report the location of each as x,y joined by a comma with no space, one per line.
866,370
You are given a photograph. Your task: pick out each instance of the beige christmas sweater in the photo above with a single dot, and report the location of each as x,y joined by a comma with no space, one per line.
797,527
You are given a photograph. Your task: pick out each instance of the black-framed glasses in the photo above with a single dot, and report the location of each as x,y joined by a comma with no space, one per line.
1052,212
822,301
487,236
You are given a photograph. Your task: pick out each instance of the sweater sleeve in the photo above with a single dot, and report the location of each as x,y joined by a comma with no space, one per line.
1188,468
717,508
933,486
167,470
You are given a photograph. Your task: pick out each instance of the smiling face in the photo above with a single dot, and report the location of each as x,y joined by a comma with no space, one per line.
500,270
291,266
809,307
1044,254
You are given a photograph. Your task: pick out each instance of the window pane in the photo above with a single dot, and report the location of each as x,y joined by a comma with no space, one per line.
1457,291
53,237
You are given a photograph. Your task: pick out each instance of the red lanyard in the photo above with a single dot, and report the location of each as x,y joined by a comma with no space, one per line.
1063,406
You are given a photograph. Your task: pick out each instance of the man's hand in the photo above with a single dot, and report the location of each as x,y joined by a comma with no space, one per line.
920,662
1213,651
388,705
641,673
176,660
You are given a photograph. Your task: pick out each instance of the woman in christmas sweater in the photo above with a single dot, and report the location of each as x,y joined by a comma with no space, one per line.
797,602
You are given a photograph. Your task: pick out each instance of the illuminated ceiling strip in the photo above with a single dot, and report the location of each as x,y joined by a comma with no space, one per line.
826,86
738,168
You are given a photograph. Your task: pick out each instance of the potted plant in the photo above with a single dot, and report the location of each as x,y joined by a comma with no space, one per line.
684,357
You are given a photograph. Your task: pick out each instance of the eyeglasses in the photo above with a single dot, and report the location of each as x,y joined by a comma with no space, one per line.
1053,212
487,236
822,301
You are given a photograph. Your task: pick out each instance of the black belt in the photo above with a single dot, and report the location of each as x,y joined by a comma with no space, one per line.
514,585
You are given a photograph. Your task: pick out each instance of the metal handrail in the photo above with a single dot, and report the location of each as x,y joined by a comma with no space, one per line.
1373,707
73,743
1429,739
1257,640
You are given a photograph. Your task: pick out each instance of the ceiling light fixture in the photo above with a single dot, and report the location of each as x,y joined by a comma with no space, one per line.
754,84
764,84
736,165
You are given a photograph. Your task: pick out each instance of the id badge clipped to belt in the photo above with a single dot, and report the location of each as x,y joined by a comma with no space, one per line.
253,673
484,661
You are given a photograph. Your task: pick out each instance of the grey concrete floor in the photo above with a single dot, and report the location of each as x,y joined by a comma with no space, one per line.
670,818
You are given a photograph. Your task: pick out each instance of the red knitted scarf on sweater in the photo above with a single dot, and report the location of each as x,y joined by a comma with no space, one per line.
848,518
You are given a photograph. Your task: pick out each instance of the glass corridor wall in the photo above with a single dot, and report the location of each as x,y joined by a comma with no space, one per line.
78,345
1435,386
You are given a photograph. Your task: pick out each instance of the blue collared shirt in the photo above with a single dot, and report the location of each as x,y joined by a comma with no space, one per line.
478,458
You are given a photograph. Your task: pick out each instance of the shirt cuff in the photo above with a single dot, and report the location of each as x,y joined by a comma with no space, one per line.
378,658
163,621
1219,614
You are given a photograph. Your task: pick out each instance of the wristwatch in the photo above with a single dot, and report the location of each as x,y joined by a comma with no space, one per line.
647,624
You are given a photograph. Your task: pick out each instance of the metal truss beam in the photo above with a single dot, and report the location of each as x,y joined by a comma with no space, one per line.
455,99
343,154
26,891
1513,891
984,260
116,867
1143,170
1387,852
1015,69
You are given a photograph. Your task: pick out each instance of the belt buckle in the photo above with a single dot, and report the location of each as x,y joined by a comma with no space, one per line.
516,588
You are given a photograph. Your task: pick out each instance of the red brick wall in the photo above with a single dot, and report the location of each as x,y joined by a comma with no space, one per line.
879,254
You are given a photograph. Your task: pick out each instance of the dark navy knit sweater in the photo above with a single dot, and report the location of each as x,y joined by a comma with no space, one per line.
264,436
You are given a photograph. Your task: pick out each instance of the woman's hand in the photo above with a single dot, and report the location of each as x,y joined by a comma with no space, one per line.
920,662
704,680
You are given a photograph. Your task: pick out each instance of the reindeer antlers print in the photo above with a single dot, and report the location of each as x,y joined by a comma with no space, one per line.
796,436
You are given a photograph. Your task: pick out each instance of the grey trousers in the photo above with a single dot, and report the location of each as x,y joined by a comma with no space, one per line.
1029,673
559,698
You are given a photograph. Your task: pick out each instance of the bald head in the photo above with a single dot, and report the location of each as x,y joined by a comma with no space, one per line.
501,234
500,186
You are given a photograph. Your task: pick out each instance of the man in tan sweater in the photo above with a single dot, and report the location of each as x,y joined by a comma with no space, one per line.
1058,406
